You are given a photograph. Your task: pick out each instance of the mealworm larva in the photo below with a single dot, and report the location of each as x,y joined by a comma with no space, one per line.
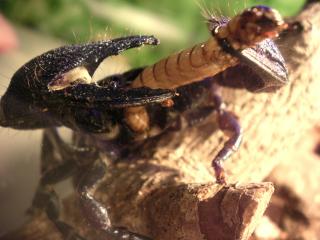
210,58
213,56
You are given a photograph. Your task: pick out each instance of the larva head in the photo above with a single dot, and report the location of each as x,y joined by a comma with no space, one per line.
252,26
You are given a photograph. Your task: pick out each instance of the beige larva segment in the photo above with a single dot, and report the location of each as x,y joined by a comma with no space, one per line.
146,75
184,63
137,118
191,65
211,50
197,59
160,72
172,69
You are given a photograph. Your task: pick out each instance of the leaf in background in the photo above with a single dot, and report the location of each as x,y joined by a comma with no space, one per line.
138,20
285,7
177,23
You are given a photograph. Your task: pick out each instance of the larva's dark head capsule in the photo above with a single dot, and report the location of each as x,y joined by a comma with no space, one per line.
248,36
265,21
252,26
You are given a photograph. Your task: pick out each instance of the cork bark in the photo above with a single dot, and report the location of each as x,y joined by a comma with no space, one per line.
170,193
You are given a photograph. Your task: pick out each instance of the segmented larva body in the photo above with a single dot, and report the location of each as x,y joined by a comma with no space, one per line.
210,58
188,66
206,59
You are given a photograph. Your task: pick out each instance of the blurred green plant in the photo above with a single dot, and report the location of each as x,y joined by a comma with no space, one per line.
177,23
287,8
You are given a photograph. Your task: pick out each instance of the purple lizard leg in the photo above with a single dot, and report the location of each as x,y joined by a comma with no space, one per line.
95,212
47,199
59,162
229,124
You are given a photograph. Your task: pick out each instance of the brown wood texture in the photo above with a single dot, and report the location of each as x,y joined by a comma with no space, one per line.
169,194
